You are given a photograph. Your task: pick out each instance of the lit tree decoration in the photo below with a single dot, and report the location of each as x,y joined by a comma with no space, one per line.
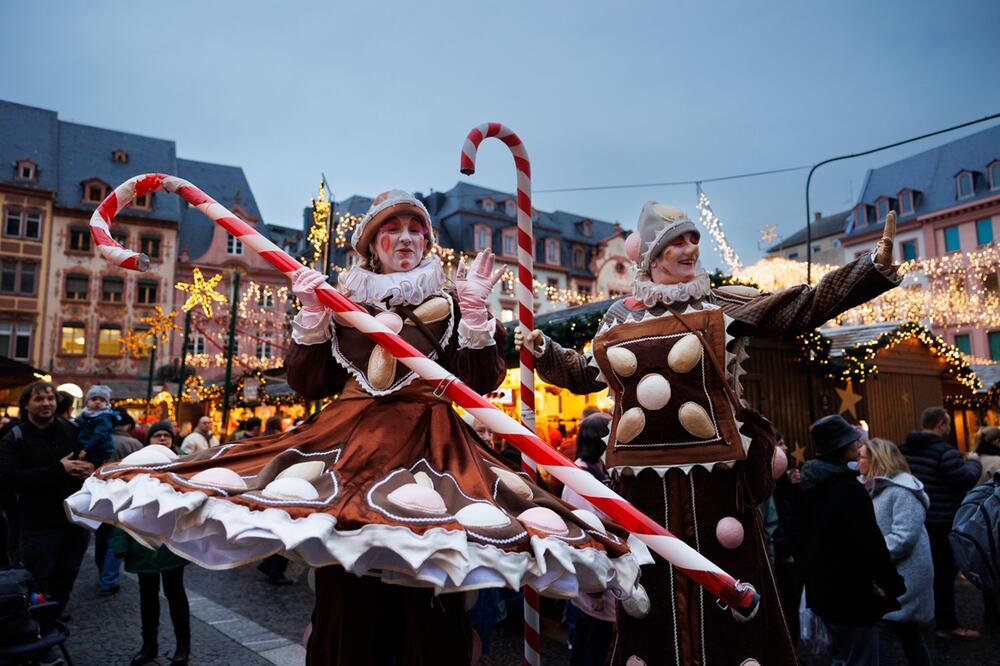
714,226
319,232
201,292
160,324
135,343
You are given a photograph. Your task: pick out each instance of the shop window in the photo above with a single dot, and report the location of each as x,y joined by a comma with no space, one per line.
108,340
908,249
963,185
76,287
150,246
112,289
73,339
79,239
234,246
984,231
952,243
18,277
15,340
964,343
146,292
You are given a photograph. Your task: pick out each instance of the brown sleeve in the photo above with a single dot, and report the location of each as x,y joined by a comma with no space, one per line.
482,370
568,369
312,371
803,308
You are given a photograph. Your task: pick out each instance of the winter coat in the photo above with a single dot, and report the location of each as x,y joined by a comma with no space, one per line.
124,444
845,554
991,465
900,509
945,475
96,429
139,559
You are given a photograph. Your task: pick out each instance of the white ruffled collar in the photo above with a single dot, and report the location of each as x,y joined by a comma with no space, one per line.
650,293
411,287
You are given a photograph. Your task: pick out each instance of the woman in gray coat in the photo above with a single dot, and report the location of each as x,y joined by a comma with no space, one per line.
900,509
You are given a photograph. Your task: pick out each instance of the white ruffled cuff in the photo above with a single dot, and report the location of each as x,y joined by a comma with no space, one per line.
478,337
311,327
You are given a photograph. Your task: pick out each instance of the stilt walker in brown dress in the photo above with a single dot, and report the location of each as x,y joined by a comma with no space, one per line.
684,445
386,491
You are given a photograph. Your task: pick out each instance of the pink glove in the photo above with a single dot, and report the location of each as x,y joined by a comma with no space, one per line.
474,287
304,283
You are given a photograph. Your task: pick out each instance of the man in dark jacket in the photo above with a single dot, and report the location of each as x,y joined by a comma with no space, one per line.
38,462
850,579
946,477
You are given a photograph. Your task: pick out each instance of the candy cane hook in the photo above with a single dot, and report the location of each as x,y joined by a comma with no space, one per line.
526,319
686,559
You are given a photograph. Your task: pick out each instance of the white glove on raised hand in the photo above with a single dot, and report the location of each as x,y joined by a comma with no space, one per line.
474,286
304,283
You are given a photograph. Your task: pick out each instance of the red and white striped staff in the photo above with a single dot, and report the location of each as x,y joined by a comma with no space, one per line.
526,319
740,597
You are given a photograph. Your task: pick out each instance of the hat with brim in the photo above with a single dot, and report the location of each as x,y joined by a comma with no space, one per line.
385,206
832,433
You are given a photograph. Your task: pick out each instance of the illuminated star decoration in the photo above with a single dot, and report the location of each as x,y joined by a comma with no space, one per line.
799,453
201,292
134,343
160,324
848,399
768,233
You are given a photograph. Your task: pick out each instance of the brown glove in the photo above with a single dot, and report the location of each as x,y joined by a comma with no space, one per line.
883,249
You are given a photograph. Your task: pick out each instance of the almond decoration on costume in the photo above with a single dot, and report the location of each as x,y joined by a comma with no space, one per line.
415,497
310,471
514,483
382,364
590,519
220,476
685,354
740,290
431,311
290,488
544,520
696,420
623,361
630,425
481,514
653,391
424,480
153,454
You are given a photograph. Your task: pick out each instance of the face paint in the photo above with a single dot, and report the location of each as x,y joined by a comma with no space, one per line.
400,243
678,262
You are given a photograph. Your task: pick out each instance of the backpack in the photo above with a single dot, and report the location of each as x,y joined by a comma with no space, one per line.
16,623
975,536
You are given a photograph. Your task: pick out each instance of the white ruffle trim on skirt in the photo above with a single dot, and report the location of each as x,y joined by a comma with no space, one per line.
218,534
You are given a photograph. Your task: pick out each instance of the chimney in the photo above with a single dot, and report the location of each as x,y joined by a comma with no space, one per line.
816,216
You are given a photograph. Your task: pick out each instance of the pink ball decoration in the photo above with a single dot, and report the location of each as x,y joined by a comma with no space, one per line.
729,532
391,321
779,463
632,246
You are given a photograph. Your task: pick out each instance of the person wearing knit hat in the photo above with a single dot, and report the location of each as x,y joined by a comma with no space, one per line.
97,423
386,492
684,445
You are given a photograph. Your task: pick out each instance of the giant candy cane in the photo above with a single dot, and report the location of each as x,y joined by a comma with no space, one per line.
526,319
737,595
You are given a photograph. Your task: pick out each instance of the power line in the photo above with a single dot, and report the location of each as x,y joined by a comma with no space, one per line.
672,183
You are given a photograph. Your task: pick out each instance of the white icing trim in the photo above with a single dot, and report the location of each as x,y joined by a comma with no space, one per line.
476,338
650,293
311,327
219,534
411,287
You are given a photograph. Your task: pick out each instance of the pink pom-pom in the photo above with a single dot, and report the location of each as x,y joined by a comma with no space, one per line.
632,246
391,321
779,463
729,532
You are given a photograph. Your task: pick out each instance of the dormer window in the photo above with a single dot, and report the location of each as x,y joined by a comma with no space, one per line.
481,237
143,202
489,205
26,170
579,257
94,191
510,208
882,208
860,216
905,202
119,156
552,251
964,185
994,170
587,228
509,242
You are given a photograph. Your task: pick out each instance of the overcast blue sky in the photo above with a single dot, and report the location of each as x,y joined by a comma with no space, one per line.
381,94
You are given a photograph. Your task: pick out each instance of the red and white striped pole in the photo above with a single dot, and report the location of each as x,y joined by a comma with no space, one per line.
740,597
526,319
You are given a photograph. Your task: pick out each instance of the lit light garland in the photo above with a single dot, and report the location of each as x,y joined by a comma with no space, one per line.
319,232
711,222
201,292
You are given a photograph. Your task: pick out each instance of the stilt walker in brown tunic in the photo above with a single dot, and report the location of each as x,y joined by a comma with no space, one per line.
386,491
684,446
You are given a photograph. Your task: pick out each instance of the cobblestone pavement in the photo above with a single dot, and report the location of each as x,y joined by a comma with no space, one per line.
238,619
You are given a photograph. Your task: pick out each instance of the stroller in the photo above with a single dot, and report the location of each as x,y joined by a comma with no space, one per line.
29,627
